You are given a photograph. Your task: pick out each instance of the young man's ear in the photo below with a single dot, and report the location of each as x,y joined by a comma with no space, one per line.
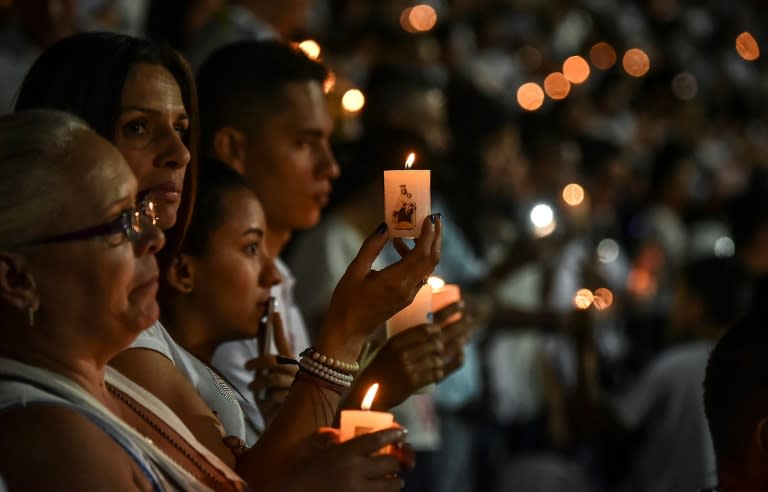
181,274
17,285
229,147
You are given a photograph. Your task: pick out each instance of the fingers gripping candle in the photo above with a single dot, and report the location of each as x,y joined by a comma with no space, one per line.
407,200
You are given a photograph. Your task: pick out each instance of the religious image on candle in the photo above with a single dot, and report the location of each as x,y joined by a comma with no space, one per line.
407,200
364,421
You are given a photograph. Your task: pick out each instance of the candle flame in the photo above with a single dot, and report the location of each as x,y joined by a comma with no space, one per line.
369,396
436,282
410,160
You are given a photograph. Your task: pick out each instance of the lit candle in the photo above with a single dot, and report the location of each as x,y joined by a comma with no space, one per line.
363,421
407,199
443,295
416,313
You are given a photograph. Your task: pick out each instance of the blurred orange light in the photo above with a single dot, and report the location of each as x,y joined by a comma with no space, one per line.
583,299
422,18
747,47
353,100
636,62
557,86
405,21
530,96
573,194
603,298
576,69
311,48
330,83
602,55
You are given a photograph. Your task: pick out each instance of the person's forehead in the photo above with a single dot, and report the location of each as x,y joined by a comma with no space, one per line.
304,100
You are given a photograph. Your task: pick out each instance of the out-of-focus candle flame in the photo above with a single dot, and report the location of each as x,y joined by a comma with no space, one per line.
310,48
603,55
530,96
329,83
557,86
583,299
636,62
603,298
576,69
436,282
353,100
573,194
369,396
410,160
747,47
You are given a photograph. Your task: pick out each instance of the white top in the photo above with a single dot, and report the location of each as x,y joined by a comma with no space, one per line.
22,385
212,389
666,406
230,357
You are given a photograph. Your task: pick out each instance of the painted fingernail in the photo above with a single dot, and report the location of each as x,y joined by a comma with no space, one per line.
382,228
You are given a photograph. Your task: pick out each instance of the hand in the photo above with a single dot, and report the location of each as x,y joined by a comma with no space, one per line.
236,445
365,298
352,466
405,363
272,380
457,325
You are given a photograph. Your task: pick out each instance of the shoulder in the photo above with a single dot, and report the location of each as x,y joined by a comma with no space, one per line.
155,338
52,447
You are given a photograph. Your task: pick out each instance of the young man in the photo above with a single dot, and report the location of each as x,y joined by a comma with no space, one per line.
264,113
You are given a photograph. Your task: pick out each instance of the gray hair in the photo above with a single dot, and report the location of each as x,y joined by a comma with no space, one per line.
35,147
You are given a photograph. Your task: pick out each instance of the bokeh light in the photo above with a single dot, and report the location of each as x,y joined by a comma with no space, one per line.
542,215
685,86
330,83
724,247
607,250
557,86
311,48
583,299
573,194
602,55
530,96
353,100
423,17
636,62
747,47
603,298
576,69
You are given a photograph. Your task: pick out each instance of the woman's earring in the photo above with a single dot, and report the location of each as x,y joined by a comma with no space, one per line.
31,316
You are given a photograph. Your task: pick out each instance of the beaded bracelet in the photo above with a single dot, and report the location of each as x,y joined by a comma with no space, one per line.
320,367
330,362
324,375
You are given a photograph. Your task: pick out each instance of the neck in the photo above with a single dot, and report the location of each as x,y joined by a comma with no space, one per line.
191,329
86,371
276,238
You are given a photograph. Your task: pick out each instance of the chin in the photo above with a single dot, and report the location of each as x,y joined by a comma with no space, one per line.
167,215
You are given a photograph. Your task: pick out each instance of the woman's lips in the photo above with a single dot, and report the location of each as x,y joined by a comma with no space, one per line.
149,284
167,192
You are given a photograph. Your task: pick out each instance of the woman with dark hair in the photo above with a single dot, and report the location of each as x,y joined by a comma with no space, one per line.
139,95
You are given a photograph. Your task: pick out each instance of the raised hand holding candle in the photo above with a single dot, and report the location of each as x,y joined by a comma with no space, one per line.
364,421
416,313
407,200
443,295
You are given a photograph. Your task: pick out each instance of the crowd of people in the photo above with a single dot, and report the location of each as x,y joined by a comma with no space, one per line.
196,279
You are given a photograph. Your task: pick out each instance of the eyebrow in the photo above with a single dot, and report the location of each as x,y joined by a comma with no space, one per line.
312,132
254,230
183,115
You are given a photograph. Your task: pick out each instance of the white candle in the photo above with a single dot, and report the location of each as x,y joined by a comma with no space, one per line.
443,295
357,422
407,200
416,313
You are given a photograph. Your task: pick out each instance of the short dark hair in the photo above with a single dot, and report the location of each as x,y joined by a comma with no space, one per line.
736,383
85,74
241,84
216,179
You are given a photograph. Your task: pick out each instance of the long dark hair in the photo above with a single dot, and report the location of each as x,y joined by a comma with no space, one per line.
85,74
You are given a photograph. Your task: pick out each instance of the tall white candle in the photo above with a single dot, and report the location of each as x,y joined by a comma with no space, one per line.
407,200
416,313
356,422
